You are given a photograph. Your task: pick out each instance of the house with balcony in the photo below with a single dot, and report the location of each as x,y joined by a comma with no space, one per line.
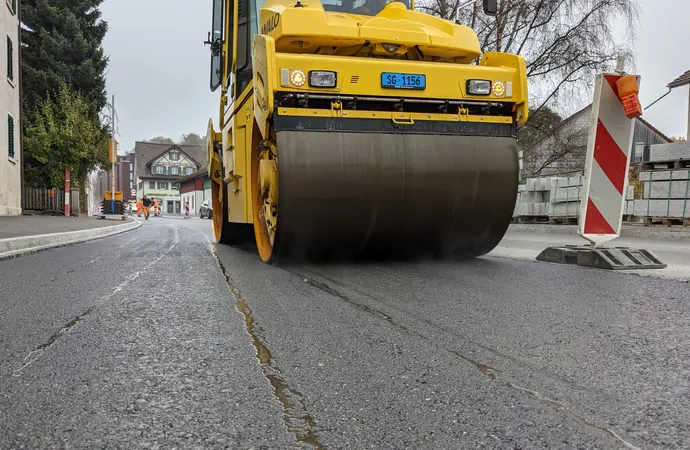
159,168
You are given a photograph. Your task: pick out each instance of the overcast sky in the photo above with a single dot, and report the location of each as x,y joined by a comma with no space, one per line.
159,67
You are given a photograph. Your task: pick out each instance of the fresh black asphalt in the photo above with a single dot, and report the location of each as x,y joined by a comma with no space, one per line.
159,338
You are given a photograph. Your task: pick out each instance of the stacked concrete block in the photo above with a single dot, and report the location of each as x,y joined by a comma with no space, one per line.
558,198
533,198
565,196
669,152
666,193
663,208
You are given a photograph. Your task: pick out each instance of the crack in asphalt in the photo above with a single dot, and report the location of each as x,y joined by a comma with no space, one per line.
295,414
39,350
558,406
496,352
483,368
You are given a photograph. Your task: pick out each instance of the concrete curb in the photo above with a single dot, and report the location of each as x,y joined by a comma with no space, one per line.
14,247
630,231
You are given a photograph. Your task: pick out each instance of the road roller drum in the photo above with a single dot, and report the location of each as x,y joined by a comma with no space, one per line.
369,192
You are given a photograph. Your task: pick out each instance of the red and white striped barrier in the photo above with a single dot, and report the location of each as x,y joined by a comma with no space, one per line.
186,209
607,162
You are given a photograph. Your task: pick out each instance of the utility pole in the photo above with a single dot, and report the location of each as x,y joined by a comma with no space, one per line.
113,156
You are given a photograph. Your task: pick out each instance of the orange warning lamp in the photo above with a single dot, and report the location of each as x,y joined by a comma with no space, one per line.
627,91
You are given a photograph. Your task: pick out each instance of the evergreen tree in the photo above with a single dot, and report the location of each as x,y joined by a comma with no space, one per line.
63,48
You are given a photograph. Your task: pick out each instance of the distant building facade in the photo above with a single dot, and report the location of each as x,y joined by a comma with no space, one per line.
10,127
194,190
159,168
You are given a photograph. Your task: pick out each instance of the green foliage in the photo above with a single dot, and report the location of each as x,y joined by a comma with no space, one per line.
65,46
63,64
61,135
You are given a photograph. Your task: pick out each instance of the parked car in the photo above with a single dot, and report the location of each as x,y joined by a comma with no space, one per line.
206,209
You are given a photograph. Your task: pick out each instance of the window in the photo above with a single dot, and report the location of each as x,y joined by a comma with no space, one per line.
215,41
174,170
10,135
152,185
176,186
163,185
188,170
10,59
174,155
12,4
141,185
244,47
158,170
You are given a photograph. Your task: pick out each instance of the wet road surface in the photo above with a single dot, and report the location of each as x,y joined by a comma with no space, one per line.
136,341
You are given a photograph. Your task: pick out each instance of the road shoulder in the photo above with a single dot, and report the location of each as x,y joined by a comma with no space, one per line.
23,245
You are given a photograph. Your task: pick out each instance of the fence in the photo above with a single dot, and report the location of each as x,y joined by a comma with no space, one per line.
39,199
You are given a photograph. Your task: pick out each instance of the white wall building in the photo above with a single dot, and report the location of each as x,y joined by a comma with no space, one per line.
10,128
159,169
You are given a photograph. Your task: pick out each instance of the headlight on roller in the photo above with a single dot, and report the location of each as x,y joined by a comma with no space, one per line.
478,87
322,79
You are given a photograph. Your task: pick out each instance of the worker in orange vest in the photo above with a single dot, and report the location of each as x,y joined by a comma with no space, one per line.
140,207
156,210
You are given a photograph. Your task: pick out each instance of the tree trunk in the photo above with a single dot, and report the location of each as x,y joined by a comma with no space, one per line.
83,195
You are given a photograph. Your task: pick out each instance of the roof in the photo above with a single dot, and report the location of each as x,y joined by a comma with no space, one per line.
558,127
194,176
146,152
680,81
573,116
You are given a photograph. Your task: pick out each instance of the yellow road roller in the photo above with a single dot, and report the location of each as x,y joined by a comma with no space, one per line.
360,126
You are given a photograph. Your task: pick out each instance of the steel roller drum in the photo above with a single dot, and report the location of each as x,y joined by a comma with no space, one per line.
382,193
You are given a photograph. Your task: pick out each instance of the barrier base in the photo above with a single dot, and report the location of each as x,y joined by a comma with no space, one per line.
611,258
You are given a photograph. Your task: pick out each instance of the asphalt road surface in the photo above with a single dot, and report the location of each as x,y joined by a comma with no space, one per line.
157,338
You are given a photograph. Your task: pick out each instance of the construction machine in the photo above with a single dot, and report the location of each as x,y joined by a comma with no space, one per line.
360,125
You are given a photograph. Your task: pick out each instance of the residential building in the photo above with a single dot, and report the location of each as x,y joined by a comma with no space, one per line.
159,168
564,150
195,189
10,127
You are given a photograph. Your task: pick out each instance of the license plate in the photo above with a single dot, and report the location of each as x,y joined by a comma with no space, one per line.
392,80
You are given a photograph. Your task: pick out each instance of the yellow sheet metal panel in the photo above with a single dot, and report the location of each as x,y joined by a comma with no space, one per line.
303,30
390,115
520,91
264,80
362,76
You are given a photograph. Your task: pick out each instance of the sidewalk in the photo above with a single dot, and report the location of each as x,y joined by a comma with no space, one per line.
20,235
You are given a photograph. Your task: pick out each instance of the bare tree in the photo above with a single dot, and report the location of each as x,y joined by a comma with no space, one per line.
564,42
191,139
161,140
562,151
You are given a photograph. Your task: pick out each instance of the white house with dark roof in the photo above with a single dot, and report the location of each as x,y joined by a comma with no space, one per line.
160,167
